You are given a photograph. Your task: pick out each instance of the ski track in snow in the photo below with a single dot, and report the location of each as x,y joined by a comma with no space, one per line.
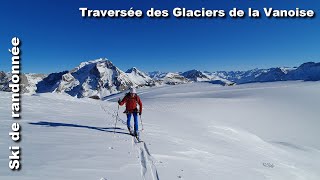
153,167
145,160
143,152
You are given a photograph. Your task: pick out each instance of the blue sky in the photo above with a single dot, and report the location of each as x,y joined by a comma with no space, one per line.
55,37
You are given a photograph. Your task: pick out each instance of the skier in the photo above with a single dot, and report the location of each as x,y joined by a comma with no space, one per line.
131,100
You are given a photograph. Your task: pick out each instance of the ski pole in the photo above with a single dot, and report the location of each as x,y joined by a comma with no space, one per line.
115,126
141,123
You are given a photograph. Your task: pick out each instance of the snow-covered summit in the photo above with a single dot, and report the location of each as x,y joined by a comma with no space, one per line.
133,70
139,78
28,82
174,78
156,75
96,78
100,77
308,72
3,79
96,61
196,75
171,78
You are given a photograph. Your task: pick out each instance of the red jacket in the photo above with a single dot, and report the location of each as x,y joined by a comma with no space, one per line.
131,103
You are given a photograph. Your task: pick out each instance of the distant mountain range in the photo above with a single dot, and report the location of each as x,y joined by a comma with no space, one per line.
100,78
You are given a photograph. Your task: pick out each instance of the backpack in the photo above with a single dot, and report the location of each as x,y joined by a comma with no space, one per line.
136,98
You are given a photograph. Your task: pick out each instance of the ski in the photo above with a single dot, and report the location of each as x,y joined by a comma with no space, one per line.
136,137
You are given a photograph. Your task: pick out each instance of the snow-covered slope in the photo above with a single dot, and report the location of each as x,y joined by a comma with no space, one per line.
199,76
187,77
241,76
3,80
156,75
169,78
100,78
28,82
173,79
191,131
196,76
139,78
97,78
32,79
308,72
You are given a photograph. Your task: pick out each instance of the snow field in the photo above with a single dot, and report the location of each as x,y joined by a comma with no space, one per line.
192,131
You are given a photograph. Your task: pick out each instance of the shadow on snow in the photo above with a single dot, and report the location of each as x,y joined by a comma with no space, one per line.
55,124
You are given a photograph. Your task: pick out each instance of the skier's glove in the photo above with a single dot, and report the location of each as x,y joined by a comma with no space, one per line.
119,101
140,113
